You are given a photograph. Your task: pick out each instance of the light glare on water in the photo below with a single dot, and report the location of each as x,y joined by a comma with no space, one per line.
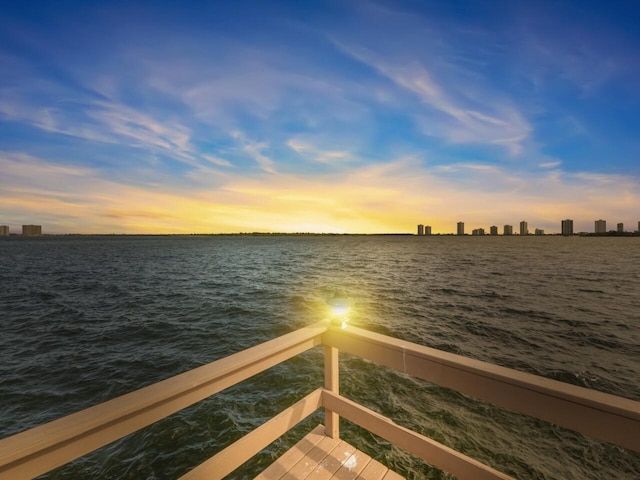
85,319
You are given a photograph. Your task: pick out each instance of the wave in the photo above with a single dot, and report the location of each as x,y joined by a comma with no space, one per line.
105,316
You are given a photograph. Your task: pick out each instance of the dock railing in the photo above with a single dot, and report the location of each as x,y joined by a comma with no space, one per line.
596,414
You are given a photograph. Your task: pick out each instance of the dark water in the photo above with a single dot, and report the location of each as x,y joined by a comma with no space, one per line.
85,319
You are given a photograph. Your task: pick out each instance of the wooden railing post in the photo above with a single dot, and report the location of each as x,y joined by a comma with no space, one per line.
332,383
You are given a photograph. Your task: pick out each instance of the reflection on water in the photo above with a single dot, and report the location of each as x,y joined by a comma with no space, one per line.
85,319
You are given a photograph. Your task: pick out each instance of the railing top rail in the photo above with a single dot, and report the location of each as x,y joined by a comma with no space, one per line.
580,394
600,415
47,446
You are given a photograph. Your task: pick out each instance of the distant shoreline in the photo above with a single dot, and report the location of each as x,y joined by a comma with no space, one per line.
239,234
309,234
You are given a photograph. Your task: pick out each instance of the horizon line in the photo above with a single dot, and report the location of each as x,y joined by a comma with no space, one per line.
448,234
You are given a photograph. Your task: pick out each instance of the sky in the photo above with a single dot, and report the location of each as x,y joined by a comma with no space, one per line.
319,116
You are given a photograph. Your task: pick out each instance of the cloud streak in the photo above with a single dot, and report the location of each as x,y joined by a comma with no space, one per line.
493,122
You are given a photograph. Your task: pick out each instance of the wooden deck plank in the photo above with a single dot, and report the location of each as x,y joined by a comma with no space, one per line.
373,471
282,465
319,457
305,466
391,475
326,469
352,466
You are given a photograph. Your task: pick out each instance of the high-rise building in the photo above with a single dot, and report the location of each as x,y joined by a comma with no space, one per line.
493,230
478,231
601,226
420,229
638,227
524,229
427,230
567,227
460,228
31,230
621,228
4,230
508,230
539,231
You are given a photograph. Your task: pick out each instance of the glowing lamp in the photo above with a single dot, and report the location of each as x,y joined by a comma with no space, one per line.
339,312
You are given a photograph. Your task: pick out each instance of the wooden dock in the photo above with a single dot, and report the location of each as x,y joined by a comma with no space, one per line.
321,454
318,456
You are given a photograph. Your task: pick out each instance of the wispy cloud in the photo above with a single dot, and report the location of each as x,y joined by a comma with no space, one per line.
141,129
553,164
255,151
312,152
494,121
561,45
105,122
220,162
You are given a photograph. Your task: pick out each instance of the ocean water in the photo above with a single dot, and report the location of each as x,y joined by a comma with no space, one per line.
85,319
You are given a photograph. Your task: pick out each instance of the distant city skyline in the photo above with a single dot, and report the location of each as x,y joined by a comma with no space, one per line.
566,228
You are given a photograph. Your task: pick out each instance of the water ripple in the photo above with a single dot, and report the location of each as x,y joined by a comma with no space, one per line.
86,319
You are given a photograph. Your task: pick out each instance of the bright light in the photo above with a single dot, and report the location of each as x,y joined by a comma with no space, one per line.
339,310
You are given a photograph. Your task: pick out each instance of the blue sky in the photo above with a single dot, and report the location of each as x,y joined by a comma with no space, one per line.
346,116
